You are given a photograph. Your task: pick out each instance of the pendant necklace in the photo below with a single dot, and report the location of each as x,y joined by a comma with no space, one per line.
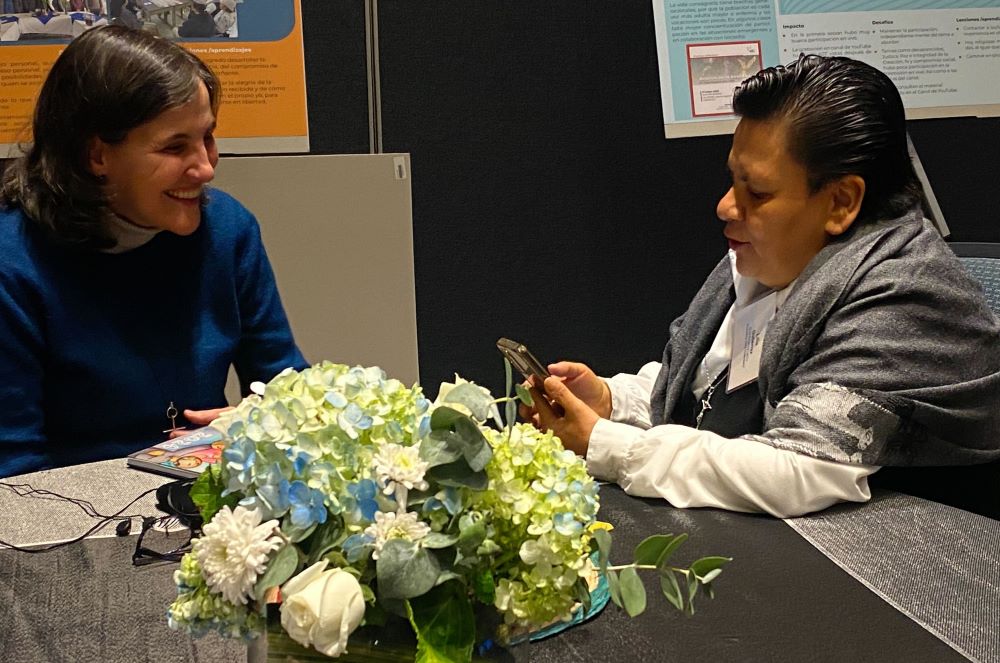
706,397
172,416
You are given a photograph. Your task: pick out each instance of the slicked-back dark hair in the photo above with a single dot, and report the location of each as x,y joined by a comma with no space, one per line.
842,117
107,82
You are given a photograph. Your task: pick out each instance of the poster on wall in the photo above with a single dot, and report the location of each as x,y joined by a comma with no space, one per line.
943,55
254,46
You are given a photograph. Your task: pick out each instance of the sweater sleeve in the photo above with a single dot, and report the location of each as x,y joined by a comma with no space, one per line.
22,421
266,344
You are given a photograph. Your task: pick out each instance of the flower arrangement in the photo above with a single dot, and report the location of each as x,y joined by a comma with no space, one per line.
350,497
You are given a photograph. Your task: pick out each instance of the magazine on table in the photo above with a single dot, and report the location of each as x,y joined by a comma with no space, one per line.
184,457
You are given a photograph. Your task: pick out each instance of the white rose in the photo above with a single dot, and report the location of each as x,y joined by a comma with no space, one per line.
321,608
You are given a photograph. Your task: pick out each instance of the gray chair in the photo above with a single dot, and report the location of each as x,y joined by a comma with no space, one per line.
982,260
974,488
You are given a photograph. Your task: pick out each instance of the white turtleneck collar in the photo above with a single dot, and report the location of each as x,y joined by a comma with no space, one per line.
127,235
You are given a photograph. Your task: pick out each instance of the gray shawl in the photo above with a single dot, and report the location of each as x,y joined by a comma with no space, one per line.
885,353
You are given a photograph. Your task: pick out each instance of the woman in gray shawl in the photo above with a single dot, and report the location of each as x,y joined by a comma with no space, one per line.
838,337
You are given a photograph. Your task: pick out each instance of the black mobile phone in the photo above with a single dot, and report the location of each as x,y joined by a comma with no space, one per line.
521,359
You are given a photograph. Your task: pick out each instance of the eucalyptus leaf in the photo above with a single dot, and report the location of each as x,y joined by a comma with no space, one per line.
279,569
294,532
581,591
458,474
475,448
510,407
671,590
405,570
614,588
524,395
692,588
444,417
444,624
325,537
603,540
668,552
438,540
473,397
440,447
471,536
710,576
706,565
652,548
633,592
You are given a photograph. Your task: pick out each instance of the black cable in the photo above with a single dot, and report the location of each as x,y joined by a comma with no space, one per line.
104,519
27,490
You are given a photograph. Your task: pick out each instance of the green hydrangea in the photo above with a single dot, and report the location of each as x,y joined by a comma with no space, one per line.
198,611
540,503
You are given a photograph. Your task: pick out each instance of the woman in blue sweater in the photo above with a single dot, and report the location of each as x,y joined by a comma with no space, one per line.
127,287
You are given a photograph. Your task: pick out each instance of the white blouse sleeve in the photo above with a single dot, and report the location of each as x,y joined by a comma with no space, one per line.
695,468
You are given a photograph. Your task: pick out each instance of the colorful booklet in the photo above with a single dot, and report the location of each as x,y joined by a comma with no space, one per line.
184,457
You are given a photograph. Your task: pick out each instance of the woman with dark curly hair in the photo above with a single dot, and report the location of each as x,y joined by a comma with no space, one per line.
128,288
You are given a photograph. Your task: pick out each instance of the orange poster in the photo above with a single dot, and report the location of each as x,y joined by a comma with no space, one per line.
255,47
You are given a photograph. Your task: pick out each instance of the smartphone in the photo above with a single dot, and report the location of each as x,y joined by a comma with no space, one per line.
521,358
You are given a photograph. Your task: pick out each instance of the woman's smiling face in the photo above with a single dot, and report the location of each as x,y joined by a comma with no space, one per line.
774,223
155,177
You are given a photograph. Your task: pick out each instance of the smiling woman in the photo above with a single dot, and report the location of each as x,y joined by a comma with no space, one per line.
128,288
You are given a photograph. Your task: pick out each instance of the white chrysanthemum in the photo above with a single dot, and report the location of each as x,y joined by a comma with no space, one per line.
233,551
391,525
396,464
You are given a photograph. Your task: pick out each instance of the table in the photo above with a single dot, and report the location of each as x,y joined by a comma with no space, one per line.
781,599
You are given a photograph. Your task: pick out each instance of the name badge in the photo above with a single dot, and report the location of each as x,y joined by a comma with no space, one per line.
747,341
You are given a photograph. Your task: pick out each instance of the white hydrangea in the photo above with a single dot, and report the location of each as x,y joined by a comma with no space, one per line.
233,551
391,525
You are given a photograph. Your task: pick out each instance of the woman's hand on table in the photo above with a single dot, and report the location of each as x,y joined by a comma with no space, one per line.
199,418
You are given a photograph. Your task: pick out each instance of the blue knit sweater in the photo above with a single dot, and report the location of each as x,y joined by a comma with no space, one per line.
94,346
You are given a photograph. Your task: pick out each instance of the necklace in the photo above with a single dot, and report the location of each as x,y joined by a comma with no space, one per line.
172,416
706,397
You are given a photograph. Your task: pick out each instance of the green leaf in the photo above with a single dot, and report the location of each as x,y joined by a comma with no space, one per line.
510,407
405,570
710,576
581,591
475,448
438,540
296,533
671,590
444,417
614,587
668,552
206,493
444,624
473,397
652,548
484,587
603,540
440,447
325,538
524,395
692,583
706,565
633,592
458,474
279,569
470,536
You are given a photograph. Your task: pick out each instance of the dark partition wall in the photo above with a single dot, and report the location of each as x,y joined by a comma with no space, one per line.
547,205
336,76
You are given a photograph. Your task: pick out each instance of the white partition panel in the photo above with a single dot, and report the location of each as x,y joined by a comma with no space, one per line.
339,232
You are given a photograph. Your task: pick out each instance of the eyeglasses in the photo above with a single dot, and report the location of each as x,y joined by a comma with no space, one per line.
142,555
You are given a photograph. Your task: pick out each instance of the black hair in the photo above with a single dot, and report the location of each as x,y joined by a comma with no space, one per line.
108,81
842,117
